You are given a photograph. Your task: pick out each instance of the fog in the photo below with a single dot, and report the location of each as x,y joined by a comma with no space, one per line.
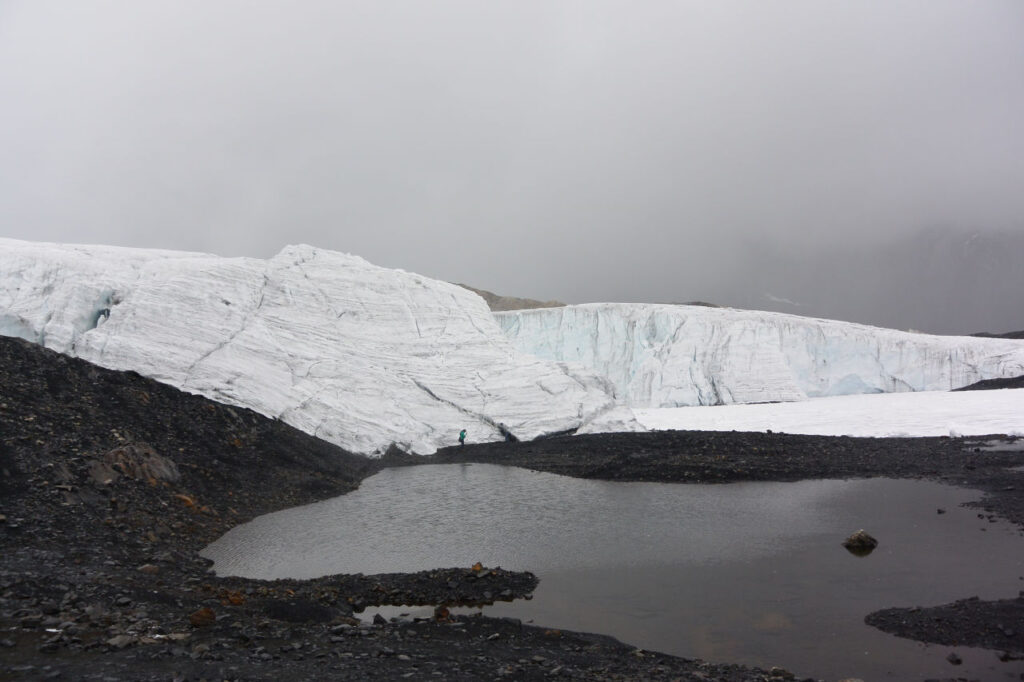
659,151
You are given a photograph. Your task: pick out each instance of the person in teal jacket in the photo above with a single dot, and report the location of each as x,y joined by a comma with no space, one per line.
462,437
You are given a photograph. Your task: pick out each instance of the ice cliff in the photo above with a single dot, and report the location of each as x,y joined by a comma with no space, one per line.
678,355
365,356
359,355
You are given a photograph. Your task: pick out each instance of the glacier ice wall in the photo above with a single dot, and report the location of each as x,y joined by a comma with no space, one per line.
359,355
677,355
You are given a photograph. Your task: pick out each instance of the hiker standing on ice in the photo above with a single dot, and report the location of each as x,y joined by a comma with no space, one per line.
462,437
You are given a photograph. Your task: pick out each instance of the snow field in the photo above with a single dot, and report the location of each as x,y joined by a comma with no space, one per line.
931,413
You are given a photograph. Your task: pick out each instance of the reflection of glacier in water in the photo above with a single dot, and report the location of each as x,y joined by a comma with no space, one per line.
750,572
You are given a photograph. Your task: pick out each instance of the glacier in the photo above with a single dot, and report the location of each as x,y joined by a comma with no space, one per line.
369,357
359,355
662,356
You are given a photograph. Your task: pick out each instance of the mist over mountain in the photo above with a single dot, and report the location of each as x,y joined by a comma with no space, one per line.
940,280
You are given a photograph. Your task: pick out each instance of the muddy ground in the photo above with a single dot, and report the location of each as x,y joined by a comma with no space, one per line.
111,483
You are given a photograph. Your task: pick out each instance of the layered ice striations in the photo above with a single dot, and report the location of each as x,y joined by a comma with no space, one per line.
359,355
364,356
678,355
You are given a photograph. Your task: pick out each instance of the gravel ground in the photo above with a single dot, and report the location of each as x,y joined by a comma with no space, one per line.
111,483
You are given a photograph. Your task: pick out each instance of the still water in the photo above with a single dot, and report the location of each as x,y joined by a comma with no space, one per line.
746,573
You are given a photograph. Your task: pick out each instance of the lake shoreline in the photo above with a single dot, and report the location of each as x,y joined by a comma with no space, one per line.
112,483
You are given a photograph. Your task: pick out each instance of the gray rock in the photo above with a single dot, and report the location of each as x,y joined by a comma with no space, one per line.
32,621
120,641
141,462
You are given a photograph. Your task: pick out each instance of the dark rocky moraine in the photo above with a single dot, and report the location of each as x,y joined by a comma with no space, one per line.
110,484
1005,335
969,622
994,384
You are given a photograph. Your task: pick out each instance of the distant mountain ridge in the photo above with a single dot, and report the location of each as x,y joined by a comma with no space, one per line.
499,303
1007,335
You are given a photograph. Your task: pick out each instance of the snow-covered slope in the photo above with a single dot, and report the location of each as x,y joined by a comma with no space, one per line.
928,413
356,354
676,355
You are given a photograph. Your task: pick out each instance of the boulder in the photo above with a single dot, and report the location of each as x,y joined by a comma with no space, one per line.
860,543
141,462
120,641
203,617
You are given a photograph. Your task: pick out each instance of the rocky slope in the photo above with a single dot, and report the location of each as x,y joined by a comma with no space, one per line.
498,303
110,483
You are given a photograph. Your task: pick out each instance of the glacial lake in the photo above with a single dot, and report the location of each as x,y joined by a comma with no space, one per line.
748,573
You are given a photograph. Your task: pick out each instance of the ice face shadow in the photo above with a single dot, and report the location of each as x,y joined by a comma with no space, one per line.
750,572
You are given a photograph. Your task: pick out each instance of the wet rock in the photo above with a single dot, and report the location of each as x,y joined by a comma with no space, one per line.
860,543
954,659
298,611
149,569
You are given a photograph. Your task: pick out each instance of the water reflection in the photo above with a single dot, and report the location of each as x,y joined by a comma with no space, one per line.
750,572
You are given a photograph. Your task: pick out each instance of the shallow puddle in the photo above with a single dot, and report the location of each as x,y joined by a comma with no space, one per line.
747,573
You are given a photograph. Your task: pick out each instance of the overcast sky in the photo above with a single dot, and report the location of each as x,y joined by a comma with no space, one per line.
575,150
